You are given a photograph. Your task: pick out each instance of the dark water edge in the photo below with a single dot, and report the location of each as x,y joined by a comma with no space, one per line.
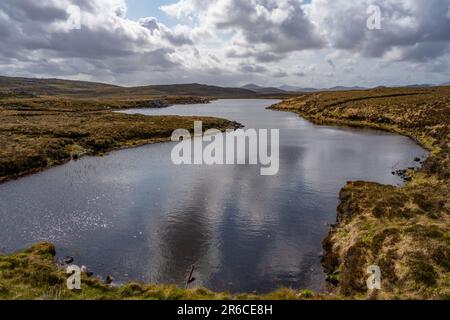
136,216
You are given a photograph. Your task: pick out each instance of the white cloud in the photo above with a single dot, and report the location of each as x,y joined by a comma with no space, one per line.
408,26
261,28
227,41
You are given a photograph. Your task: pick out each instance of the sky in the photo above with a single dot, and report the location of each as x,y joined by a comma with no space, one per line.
146,8
304,43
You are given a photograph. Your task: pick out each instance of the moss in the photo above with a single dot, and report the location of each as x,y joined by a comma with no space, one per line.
388,269
46,250
52,131
422,232
423,272
333,278
379,239
330,260
403,230
424,202
441,256
33,274
131,290
353,273
379,211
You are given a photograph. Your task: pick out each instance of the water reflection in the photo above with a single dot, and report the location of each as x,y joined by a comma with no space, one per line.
135,216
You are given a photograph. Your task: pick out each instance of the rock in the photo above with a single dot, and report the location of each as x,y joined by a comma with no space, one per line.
109,280
401,173
86,271
43,249
157,104
68,260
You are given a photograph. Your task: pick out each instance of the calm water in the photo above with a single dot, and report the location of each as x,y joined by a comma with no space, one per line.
136,216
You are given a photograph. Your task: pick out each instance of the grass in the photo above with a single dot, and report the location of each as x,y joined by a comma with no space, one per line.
92,90
33,274
36,133
405,231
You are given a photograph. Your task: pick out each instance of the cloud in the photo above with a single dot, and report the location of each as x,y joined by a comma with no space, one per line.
411,29
40,11
331,63
226,41
269,30
38,34
249,68
280,74
264,29
178,36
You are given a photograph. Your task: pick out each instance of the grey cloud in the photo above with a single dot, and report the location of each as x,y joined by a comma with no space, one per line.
90,41
425,51
214,58
280,74
149,23
85,43
331,63
36,11
415,35
174,37
107,43
276,37
268,56
250,68
257,55
300,74
178,39
416,30
151,61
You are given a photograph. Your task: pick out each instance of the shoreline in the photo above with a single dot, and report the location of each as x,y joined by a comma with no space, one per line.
362,230
33,273
53,132
76,157
333,122
376,223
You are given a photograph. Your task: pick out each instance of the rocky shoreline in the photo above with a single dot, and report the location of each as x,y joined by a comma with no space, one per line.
405,231
38,133
33,274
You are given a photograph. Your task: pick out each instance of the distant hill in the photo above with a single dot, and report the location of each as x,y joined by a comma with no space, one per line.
252,86
289,88
84,89
88,90
300,89
263,90
425,85
341,88
52,86
193,89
